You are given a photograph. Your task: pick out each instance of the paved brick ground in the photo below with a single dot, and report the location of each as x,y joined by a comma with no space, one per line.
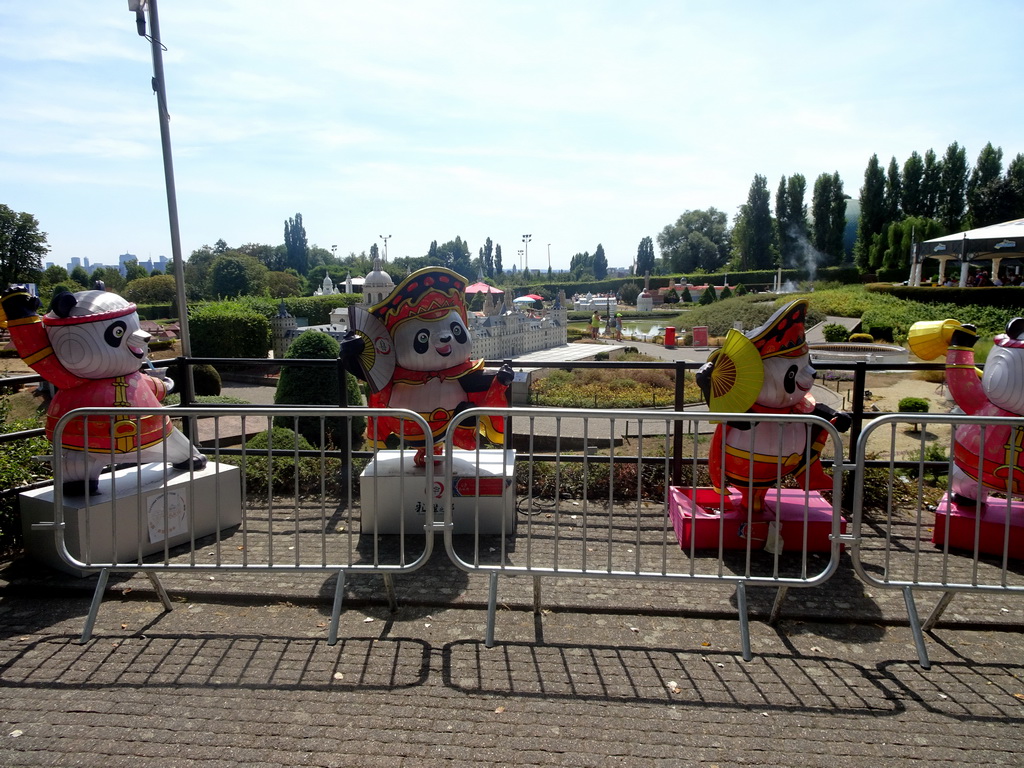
611,674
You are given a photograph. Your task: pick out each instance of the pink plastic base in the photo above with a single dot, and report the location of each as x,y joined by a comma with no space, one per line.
706,516
991,529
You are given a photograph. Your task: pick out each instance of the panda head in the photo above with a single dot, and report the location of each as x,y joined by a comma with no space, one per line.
1003,380
432,344
787,380
96,334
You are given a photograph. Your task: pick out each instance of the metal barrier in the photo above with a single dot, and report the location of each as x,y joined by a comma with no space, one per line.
909,535
598,511
259,506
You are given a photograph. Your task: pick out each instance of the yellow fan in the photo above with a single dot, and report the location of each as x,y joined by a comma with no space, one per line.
737,375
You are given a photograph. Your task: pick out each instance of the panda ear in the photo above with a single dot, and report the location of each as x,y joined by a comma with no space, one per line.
99,285
62,304
1015,328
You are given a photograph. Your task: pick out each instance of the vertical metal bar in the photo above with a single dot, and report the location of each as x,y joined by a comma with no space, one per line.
741,606
677,432
97,598
492,608
339,594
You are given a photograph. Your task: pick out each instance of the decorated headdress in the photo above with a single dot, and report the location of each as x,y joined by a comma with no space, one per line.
429,294
734,373
783,333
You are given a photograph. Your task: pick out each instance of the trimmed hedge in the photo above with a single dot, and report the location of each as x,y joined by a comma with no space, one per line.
226,329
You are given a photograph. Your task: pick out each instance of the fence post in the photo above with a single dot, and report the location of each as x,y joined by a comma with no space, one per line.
677,427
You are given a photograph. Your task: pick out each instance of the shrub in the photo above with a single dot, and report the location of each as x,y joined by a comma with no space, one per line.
205,379
283,474
834,332
741,290
913,405
671,296
707,296
225,329
685,297
17,468
629,292
725,294
302,385
862,338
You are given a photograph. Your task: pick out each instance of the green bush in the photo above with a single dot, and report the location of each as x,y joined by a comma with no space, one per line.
205,378
283,474
17,468
913,405
309,385
861,338
725,294
834,333
226,329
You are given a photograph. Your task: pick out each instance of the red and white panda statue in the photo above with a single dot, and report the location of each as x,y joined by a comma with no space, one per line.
413,350
91,347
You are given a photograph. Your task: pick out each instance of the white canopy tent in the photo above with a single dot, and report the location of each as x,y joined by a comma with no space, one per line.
993,243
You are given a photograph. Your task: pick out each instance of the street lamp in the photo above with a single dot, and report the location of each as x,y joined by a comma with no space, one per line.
526,251
520,259
334,251
139,8
385,238
549,258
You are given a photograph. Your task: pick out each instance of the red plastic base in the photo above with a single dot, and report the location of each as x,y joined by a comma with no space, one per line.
707,516
991,529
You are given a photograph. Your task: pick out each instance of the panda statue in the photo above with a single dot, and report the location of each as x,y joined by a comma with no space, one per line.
91,347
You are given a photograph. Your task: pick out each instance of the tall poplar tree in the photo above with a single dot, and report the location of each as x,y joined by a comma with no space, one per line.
645,257
913,191
600,263
893,192
295,244
828,210
985,177
754,243
872,214
953,188
931,185
791,216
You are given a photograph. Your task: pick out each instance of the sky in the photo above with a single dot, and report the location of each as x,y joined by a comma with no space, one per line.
578,122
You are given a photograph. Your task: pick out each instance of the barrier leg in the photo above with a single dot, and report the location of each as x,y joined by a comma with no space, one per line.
389,587
97,598
915,628
741,605
937,611
160,591
536,596
777,605
492,608
339,594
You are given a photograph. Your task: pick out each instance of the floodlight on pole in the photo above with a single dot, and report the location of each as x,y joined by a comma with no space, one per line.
385,238
526,251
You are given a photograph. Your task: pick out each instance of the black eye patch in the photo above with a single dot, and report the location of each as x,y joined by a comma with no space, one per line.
459,333
115,334
789,382
421,342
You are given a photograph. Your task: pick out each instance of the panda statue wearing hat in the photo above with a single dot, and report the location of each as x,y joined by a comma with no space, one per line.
413,350
766,371
91,347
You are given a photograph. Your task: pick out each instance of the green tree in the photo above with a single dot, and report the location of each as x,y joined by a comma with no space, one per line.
281,285
133,270
931,185
111,278
983,186
296,247
828,211
600,263
707,296
497,260
233,274
893,192
953,189
791,217
581,266
273,257
151,290
80,275
645,257
873,217
913,190
54,274
22,247
697,240
754,243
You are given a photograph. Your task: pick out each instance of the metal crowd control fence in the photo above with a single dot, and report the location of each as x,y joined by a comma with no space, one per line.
604,508
260,505
909,535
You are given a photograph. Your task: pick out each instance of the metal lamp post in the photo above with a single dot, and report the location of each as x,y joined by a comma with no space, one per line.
140,8
385,238
526,252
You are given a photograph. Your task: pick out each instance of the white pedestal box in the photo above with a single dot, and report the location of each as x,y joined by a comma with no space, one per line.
149,507
483,494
